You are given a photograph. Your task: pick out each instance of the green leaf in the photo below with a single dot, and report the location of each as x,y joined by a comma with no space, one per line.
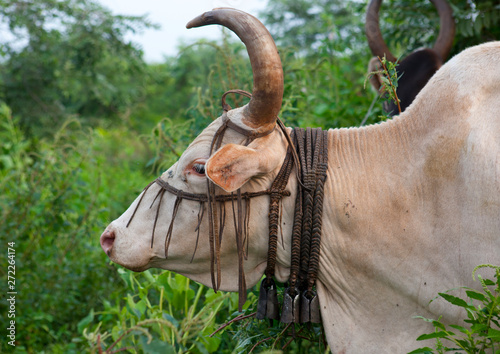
163,280
210,343
424,350
149,276
171,319
132,307
438,324
460,328
141,306
478,24
494,334
321,109
479,327
488,282
476,295
464,343
85,321
201,347
157,347
440,334
454,300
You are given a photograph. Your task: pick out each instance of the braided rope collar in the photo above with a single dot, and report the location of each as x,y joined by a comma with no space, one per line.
309,153
300,301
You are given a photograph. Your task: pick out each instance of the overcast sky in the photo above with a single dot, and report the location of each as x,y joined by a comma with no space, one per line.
172,16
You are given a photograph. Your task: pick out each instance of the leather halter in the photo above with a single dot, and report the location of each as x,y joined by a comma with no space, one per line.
216,213
300,302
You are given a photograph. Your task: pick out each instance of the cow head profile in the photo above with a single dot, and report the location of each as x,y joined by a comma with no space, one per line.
414,70
141,243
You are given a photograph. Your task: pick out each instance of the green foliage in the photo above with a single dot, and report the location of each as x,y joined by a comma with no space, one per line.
250,335
68,58
389,81
389,77
411,24
477,21
159,312
326,91
53,207
307,24
482,332
167,147
226,67
163,312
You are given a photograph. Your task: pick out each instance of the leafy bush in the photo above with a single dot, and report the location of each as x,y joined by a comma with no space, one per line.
68,58
159,312
166,313
56,197
483,319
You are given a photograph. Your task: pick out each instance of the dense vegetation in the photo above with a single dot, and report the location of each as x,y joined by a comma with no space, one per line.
85,124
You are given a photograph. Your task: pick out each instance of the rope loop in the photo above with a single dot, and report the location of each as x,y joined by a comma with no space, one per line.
226,107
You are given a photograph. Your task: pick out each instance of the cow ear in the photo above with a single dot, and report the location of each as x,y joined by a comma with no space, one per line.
233,165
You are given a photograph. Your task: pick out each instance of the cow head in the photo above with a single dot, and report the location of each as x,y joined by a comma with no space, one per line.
180,223
418,67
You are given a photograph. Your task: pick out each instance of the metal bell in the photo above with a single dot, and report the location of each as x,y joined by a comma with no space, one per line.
268,306
305,302
273,309
262,303
315,316
291,304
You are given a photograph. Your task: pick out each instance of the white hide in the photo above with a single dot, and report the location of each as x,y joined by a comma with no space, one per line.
411,206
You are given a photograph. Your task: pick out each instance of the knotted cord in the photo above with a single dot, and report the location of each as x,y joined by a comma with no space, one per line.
300,303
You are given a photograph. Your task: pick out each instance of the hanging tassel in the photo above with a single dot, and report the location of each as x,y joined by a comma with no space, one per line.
238,225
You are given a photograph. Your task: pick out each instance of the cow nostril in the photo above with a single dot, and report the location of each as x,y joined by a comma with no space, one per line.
107,240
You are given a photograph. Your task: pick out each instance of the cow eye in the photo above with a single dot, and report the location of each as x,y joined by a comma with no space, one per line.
199,168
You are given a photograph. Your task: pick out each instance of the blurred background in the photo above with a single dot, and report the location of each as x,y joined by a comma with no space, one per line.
99,97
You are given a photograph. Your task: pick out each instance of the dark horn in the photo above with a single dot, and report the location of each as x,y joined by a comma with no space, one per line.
444,42
372,29
267,94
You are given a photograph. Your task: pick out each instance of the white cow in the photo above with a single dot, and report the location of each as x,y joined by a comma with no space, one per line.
411,206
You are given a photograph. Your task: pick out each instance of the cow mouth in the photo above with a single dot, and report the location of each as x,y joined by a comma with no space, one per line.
133,268
138,269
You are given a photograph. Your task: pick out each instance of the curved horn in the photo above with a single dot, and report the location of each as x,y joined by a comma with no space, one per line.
444,42
372,29
267,94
